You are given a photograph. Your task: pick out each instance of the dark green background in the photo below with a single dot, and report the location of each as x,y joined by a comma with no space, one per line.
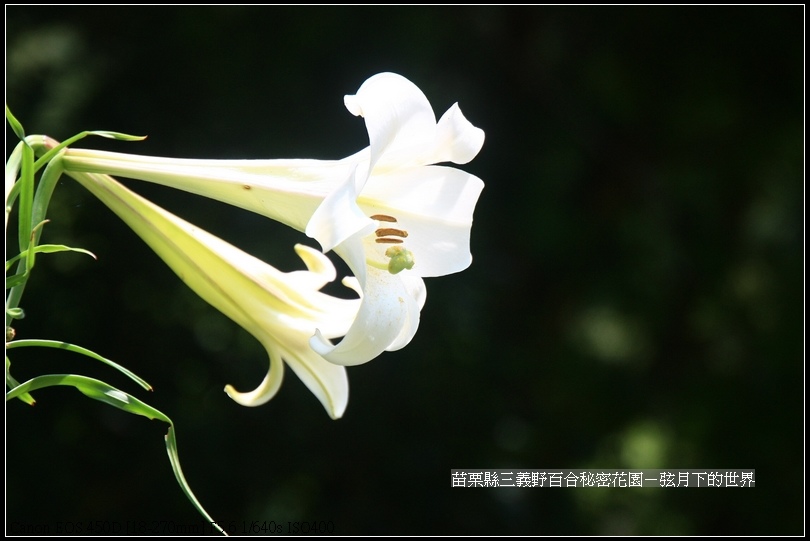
635,300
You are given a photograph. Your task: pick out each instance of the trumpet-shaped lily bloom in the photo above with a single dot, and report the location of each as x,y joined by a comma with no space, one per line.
281,310
392,214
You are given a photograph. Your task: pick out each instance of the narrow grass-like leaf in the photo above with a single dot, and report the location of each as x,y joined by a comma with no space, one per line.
31,253
11,382
12,187
83,351
39,140
51,249
15,124
26,197
42,198
117,135
15,280
174,458
20,278
108,394
92,388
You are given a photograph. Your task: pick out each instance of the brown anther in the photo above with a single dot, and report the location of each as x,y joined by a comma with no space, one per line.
386,240
383,218
386,231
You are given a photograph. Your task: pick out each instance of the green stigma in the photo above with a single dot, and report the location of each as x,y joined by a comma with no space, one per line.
401,259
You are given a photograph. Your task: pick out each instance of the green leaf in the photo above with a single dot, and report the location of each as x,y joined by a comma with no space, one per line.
26,197
174,459
92,388
11,382
47,184
15,313
17,279
80,350
15,124
14,281
50,249
53,248
98,390
117,135
36,140
11,197
31,253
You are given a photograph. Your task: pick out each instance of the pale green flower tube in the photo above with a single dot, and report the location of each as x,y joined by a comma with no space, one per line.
282,310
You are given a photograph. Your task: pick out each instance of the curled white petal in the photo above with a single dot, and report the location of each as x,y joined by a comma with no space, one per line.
457,140
266,390
383,314
338,217
417,292
398,116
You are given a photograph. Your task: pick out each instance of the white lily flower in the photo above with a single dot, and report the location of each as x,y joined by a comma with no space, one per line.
280,309
391,214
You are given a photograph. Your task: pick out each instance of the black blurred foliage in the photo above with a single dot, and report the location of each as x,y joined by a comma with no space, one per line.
635,300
